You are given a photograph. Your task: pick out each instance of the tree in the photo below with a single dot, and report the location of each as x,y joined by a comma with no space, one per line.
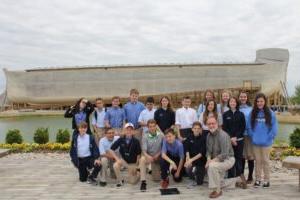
296,98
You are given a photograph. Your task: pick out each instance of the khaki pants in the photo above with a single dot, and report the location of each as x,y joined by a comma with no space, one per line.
262,159
216,172
155,168
99,133
133,176
106,163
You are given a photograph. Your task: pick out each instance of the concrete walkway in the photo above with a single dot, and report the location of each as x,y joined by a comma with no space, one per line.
51,176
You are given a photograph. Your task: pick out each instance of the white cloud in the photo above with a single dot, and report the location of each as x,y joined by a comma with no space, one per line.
58,33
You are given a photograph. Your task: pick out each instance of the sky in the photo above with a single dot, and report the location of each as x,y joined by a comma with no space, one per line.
47,33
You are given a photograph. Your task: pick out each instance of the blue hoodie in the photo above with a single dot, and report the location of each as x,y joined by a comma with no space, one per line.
262,135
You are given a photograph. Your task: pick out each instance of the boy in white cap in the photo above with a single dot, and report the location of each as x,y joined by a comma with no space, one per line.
130,151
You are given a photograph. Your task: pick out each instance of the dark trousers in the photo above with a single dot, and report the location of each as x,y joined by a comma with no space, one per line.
237,169
85,164
196,172
165,166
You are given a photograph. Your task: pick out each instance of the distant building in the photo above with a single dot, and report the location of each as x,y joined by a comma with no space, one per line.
55,88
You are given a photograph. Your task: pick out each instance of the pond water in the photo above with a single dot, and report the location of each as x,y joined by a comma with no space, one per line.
27,126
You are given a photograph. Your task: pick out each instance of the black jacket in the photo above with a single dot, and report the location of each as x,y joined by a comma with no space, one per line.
164,118
129,152
234,123
196,145
71,112
73,151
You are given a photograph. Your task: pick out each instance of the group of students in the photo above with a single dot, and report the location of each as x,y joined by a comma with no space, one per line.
216,140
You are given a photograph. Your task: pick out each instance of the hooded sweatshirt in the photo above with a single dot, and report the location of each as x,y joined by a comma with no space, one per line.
261,134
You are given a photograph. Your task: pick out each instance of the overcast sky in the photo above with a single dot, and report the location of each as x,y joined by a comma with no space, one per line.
44,33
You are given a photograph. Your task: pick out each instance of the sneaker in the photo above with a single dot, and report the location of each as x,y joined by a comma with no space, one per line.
257,184
191,184
102,184
164,184
91,181
266,185
143,187
120,184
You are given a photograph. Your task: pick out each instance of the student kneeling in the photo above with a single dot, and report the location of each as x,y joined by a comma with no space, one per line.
151,148
172,158
196,155
84,154
130,150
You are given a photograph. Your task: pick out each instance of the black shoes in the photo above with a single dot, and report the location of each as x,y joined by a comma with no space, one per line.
266,185
120,184
91,181
257,184
143,187
102,184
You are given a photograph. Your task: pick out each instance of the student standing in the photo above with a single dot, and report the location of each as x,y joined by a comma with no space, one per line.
220,158
234,124
98,120
246,108
107,159
115,116
147,114
208,95
151,152
164,116
210,110
184,118
80,112
196,155
133,110
172,154
130,151
85,154
262,130
223,106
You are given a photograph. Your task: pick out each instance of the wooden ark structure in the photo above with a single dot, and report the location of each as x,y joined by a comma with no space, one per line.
57,88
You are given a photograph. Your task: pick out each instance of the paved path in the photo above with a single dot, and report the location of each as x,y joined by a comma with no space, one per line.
51,176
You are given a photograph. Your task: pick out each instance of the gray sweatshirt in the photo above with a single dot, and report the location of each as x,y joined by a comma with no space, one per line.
218,145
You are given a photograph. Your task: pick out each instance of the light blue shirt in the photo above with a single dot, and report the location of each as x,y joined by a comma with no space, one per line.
105,144
100,118
83,146
175,149
80,117
115,116
133,111
246,110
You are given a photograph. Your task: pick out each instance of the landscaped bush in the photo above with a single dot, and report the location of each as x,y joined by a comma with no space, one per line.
295,138
41,136
34,147
63,136
13,136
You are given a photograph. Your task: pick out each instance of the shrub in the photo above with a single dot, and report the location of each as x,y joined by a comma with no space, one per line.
63,136
295,138
41,136
13,136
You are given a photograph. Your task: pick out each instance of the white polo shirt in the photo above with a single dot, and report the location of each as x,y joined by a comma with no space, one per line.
146,115
83,146
185,117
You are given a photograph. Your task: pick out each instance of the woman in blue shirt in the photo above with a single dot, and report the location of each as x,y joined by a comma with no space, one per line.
262,128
